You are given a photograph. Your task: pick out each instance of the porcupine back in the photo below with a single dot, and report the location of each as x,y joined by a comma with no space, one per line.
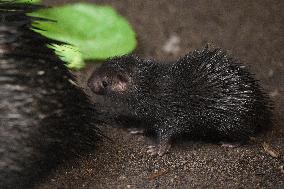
44,117
221,97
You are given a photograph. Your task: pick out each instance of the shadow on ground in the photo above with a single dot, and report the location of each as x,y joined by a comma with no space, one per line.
250,30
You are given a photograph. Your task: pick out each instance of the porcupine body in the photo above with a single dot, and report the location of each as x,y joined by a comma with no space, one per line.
204,94
44,117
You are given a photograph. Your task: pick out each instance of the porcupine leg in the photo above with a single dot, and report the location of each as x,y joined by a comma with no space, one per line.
163,145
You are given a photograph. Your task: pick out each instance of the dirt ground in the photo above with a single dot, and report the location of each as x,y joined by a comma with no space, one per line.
253,32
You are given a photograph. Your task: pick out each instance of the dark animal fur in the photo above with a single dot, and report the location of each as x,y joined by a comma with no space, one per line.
204,94
44,117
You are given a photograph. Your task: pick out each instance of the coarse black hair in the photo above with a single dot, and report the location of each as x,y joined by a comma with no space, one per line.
44,116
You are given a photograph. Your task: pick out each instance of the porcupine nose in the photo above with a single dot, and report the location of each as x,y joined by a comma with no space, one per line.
98,86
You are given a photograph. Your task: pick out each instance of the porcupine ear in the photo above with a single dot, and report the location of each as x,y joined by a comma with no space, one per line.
130,65
121,83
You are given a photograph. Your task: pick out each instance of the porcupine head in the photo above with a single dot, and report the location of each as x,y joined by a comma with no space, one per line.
123,83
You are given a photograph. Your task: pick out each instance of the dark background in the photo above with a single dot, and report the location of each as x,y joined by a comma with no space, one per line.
250,30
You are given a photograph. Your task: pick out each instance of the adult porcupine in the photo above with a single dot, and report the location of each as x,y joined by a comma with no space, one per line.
204,94
44,117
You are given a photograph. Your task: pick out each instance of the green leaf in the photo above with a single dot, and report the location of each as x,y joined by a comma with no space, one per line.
97,31
28,1
69,54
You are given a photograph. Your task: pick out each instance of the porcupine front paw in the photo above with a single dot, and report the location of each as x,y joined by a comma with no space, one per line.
158,150
229,145
163,145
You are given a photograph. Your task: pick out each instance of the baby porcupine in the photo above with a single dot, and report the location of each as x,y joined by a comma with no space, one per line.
204,94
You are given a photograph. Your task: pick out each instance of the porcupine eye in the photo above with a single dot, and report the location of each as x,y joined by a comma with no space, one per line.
98,84
104,84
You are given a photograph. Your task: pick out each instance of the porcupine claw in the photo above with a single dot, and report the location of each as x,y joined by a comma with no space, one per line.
159,150
136,131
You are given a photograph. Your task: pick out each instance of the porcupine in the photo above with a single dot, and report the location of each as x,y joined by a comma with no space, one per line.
44,117
205,94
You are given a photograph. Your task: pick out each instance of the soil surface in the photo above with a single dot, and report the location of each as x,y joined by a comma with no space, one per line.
250,30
